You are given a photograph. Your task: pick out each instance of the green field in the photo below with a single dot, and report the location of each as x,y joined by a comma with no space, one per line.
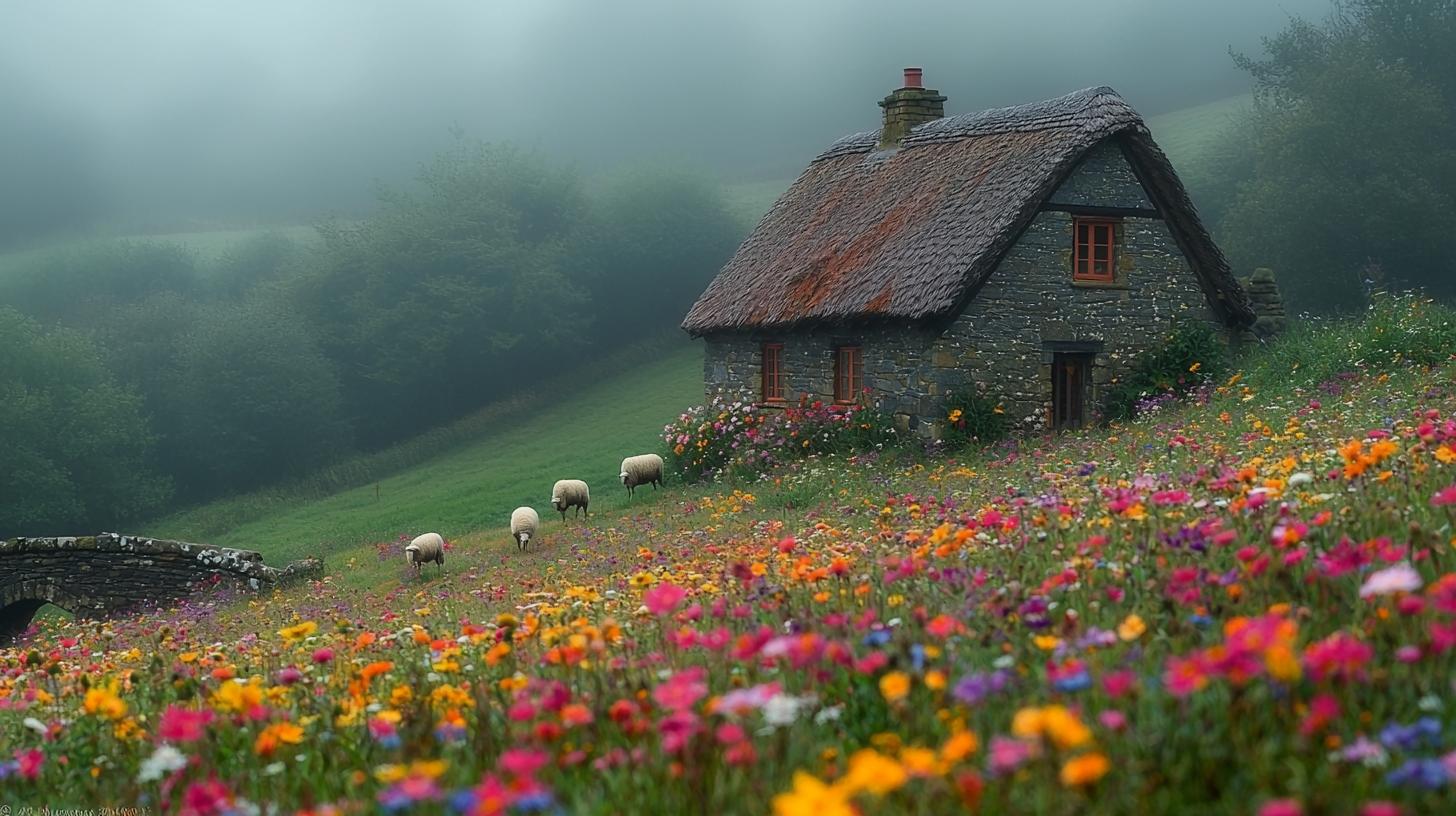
470,493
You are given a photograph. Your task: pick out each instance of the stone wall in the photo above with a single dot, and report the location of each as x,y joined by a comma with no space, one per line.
95,576
1102,179
1004,342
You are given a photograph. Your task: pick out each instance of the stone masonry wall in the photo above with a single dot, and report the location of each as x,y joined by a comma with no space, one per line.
100,575
1102,179
1004,342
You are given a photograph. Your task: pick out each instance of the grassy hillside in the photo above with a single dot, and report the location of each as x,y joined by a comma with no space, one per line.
1185,134
1244,604
470,491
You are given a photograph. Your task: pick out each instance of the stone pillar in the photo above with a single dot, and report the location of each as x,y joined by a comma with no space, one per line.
1263,292
907,107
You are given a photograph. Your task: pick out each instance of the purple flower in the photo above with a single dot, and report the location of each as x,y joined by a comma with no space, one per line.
1426,773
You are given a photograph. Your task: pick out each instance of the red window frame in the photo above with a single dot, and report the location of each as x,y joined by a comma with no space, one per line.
773,372
1094,255
848,374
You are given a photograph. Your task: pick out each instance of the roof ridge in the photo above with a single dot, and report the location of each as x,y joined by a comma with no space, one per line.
1068,110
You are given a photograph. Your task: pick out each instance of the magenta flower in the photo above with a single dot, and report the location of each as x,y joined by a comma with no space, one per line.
523,762
664,598
1281,807
1444,496
680,691
323,655
180,724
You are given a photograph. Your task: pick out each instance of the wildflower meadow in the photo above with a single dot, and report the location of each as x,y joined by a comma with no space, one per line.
1245,603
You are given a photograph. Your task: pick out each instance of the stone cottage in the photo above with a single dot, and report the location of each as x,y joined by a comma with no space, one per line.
1030,251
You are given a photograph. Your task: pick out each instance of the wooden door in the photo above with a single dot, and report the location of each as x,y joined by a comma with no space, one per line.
1070,373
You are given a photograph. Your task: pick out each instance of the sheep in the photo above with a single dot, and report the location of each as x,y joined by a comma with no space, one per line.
524,522
570,493
424,549
639,470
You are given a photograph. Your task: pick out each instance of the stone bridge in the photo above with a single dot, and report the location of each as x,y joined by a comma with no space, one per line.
110,574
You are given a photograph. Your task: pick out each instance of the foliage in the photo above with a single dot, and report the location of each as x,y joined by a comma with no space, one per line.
429,307
656,238
972,418
1190,356
73,443
1354,155
1244,606
78,285
733,436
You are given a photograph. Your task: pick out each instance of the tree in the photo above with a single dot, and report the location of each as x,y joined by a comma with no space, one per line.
1354,154
74,445
657,239
448,295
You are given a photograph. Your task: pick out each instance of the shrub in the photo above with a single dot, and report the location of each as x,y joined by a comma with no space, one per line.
732,435
1190,356
972,418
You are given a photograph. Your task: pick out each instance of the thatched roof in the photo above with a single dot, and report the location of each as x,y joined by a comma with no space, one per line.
911,233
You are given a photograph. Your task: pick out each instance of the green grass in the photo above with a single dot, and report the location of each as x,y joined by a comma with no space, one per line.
468,493
1185,134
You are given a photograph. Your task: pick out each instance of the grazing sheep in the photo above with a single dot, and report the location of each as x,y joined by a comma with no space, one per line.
570,493
524,522
424,549
639,470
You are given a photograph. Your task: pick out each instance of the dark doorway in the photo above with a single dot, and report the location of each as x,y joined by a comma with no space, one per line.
1070,373
16,618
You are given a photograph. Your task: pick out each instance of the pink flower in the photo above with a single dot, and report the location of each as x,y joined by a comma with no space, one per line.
1399,578
1008,754
1281,807
1380,808
1340,655
1322,709
206,798
1112,719
523,762
1119,683
680,691
288,675
730,734
180,724
323,655
1444,496
677,730
29,762
664,598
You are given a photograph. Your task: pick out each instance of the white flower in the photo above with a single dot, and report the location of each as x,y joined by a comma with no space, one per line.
1004,662
163,761
829,714
273,769
1303,477
35,725
1399,578
1430,704
782,709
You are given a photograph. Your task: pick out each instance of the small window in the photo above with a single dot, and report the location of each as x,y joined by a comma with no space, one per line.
1094,258
848,374
773,372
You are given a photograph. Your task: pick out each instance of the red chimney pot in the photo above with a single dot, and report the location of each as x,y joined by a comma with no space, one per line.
912,77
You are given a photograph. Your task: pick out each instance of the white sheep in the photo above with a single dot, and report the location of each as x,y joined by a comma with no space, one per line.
570,493
524,521
424,549
639,470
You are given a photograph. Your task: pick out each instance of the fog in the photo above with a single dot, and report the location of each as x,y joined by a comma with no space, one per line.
146,115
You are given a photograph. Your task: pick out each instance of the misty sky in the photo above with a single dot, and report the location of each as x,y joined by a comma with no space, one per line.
258,109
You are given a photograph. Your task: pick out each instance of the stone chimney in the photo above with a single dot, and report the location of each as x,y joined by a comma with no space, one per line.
1263,292
911,105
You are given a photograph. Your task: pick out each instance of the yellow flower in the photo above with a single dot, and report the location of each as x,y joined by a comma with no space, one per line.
1131,628
1084,770
104,702
1027,723
1047,642
958,747
895,686
870,770
810,797
277,735
1193,369
293,634
1063,727
921,762
237,697
955,416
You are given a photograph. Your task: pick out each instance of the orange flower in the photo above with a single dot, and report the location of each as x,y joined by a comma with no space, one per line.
276,736
1084,770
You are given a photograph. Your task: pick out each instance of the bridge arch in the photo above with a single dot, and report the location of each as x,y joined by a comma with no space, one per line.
111,574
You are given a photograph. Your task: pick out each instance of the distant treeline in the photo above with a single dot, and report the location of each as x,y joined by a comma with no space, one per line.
1343,176
134,378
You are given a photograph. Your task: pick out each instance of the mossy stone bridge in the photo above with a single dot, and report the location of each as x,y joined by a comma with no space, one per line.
111,574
